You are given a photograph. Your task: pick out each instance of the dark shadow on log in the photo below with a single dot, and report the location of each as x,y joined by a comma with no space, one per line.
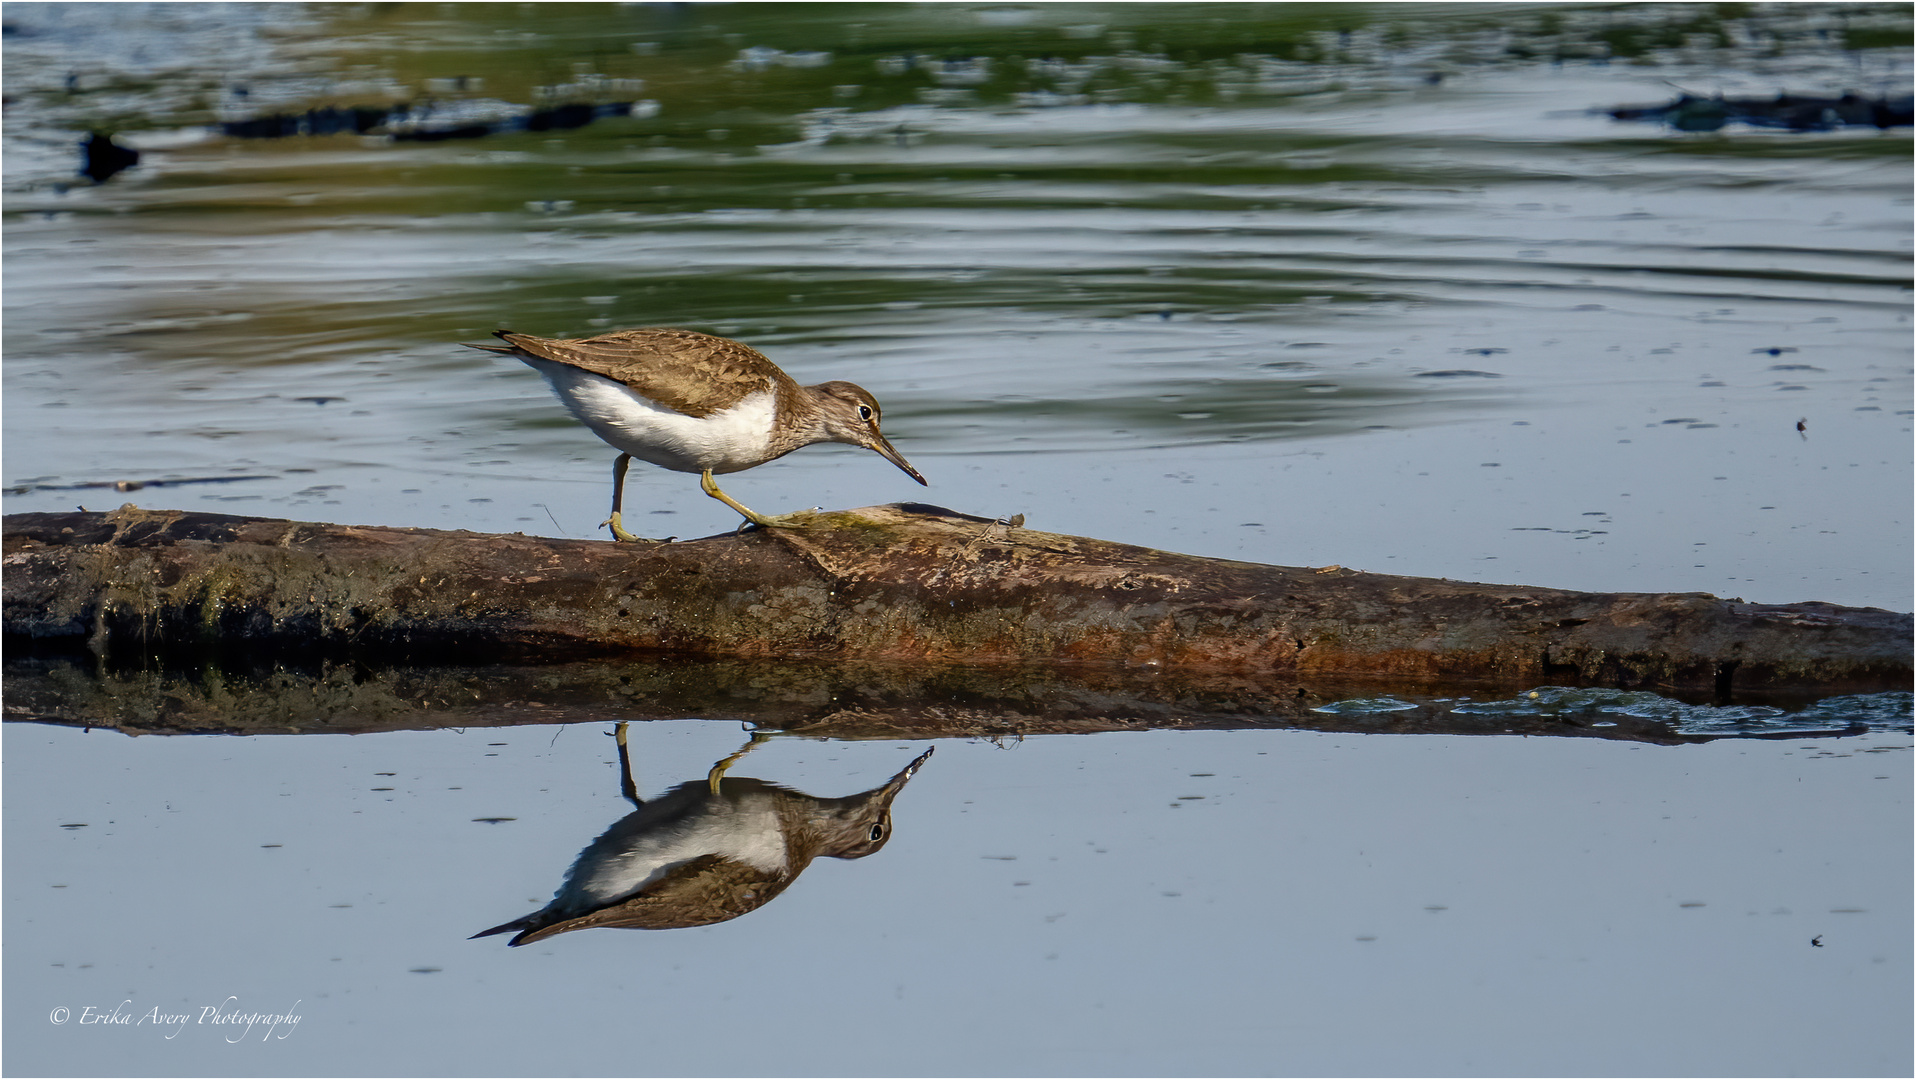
902,584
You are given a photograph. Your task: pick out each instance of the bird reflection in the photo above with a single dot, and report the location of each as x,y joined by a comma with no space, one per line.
707,851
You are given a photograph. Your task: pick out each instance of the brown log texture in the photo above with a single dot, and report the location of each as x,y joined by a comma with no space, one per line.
901,584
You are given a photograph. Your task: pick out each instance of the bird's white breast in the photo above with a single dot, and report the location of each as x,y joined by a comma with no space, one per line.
746,830
725,441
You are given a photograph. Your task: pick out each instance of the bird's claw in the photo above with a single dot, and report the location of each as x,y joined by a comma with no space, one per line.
794,520
619,533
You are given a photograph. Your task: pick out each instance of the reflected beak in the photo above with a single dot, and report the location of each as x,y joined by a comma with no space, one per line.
897,783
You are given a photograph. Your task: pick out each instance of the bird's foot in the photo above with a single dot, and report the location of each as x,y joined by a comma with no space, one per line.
619,533
798,519
718,771
783,521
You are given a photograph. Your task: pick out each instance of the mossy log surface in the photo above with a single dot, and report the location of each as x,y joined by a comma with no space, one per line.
896,584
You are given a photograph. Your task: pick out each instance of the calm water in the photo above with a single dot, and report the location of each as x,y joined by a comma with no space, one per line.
1362,285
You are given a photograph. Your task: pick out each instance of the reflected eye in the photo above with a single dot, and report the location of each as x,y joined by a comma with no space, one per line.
864,412
878,833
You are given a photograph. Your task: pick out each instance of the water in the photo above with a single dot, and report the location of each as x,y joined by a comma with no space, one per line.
1360,285
1156,903
1217,296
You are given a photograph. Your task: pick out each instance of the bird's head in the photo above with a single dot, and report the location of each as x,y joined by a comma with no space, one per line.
860,824
851,416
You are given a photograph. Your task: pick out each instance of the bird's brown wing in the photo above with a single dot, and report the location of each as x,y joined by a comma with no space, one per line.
709,889
683,370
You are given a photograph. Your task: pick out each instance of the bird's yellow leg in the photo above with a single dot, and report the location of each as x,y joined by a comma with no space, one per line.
710,487
618,498
718,771
626,787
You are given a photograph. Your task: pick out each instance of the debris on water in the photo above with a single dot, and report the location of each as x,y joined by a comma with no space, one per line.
1855,713
134,485
327,120
1791,112
102,158
1363,706
1585,707
430,121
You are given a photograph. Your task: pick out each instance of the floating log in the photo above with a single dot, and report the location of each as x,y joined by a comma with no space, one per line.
902,583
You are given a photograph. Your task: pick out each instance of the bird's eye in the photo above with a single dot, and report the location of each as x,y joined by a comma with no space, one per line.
878,833
864,412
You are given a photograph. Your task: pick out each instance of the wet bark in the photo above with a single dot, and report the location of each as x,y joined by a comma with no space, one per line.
901,584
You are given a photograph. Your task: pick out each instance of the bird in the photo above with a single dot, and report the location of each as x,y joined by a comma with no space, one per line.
695,403
707,851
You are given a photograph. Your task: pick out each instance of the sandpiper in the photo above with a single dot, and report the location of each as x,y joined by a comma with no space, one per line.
695,403
707,851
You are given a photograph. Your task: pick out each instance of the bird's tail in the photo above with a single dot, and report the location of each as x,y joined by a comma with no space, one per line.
501,334
525,923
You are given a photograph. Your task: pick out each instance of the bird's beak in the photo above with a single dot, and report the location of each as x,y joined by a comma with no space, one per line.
880,444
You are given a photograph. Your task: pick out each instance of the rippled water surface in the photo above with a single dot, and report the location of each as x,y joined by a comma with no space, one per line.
1357,284
1293,288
